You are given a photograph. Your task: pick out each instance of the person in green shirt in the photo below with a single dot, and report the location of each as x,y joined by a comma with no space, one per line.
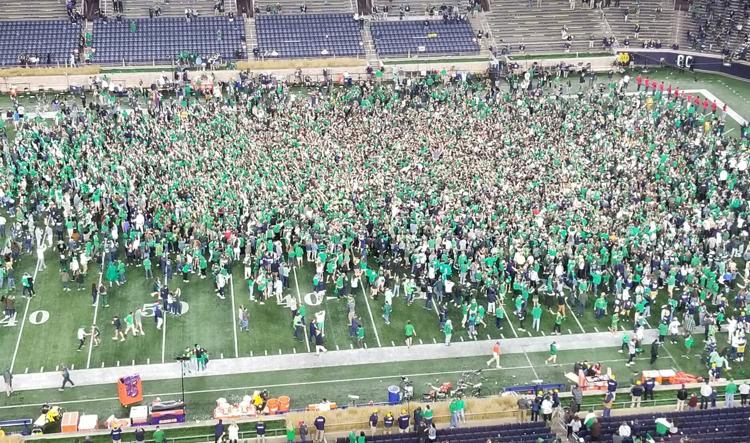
600,306
559,317
147,267
453,409
409,333
536,317
159,436
448,331
499,317
729,391
689,342
387,309
615,322
360,336
552,354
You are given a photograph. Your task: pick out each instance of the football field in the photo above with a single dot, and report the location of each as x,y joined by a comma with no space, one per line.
42,337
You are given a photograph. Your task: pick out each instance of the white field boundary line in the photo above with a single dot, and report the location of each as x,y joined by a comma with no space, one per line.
164,324
369,311
300,301
96,312
234,318
23,322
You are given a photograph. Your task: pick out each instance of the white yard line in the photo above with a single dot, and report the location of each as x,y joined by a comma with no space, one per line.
234,318
575,317
369,311
507,320
536,376
300,301
23,322
96,312
164,337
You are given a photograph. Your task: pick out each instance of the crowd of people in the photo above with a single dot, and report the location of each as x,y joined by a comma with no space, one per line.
475,195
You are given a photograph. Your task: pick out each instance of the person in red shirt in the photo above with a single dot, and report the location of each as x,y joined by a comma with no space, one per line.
713,106
661,87
646,82
638,81
724,108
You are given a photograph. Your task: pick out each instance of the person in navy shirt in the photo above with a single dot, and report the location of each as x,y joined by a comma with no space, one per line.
320,428
403,422
116,434
260,429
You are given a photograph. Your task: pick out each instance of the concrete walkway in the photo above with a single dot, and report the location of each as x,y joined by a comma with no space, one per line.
349,357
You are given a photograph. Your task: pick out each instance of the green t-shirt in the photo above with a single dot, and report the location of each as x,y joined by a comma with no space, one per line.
409,330
159,436
536,312
553,349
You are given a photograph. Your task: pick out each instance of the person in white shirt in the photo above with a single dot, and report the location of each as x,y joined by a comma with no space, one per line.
233,432
706,391
624,430
744,390
546,409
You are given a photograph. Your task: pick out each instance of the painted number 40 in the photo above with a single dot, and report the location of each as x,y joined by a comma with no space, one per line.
35,318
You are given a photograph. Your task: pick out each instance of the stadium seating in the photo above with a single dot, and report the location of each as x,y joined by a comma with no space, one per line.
162,39
715,39
654,26
308,35
58,38
702,425
517,433
412,37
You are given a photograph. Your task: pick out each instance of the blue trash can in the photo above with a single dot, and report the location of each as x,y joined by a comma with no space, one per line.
394,395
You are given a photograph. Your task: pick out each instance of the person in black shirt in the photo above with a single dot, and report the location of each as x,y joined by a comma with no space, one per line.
682,395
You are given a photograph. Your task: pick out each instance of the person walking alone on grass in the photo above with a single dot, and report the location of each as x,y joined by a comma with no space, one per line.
495,355
66,378
410,333
552,354
8,380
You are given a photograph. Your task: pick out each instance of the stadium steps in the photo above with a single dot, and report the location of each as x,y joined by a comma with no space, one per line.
313,7
513,23
654,26
418,7
250,35
169,8
369,44
716,40
43,10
